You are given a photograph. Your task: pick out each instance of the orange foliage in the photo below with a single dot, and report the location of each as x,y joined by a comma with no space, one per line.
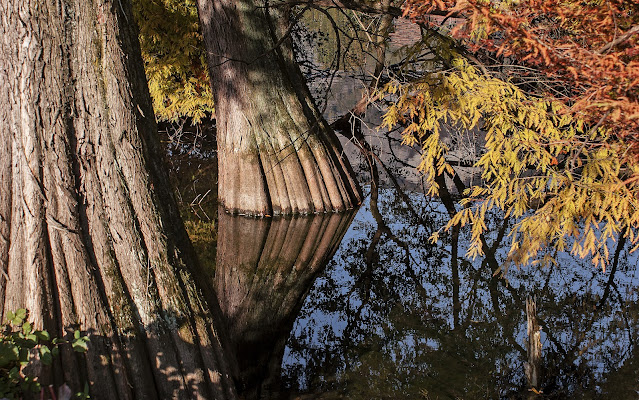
590,48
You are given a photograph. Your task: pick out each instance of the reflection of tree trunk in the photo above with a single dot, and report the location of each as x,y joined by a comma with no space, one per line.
276,153
533,347
90,236
264,269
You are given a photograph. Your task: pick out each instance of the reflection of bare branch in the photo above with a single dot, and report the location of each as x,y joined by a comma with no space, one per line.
615,262
382,227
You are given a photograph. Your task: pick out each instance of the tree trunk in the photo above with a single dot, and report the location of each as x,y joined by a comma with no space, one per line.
90,237
276,153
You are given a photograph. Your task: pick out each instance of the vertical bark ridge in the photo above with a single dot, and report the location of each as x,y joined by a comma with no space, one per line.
6,159
154,285
5,198
311,129
342,171
299,134
27,161
293,140
343,191
81,295
137,362
275,178
313,176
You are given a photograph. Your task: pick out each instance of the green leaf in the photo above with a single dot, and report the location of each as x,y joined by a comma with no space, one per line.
43,335
84,394
14,373
80,346
19,317
9,352
23,356
33,339
45,355
10,316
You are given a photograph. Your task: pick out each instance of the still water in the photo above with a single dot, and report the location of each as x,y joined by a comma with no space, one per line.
363,306
392,316
395,317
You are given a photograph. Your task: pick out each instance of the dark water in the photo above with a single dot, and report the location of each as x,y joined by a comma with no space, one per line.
363,306
393,316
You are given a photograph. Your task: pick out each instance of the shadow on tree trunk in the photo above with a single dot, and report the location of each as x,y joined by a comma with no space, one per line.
277,154
90,234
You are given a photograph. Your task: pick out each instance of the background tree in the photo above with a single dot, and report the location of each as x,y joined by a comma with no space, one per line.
174,59
585,52
90,236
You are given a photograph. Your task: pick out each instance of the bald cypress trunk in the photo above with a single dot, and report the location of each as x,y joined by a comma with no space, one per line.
276,153
90,237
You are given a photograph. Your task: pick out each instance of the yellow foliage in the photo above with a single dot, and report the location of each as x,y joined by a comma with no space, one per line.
555,176
174,59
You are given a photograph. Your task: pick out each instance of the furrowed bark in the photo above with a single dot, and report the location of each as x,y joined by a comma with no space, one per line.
90,236
276,153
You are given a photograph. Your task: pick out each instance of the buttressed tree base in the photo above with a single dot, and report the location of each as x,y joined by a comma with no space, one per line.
276,153
90,237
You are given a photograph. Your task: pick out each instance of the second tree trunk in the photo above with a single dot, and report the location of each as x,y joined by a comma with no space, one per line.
276,153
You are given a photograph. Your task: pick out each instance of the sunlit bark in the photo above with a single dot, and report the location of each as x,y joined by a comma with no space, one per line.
89,233
276,153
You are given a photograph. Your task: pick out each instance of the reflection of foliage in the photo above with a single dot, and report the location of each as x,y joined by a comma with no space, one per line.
193,171
325,31
193,174
174,59
19,342
332,43
203,235
376,326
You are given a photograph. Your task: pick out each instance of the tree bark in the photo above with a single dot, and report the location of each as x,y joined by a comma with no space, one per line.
276,153
90,236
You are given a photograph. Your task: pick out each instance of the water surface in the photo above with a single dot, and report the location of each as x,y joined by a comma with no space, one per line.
380,312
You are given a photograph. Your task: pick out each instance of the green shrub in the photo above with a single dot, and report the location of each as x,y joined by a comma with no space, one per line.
19,343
